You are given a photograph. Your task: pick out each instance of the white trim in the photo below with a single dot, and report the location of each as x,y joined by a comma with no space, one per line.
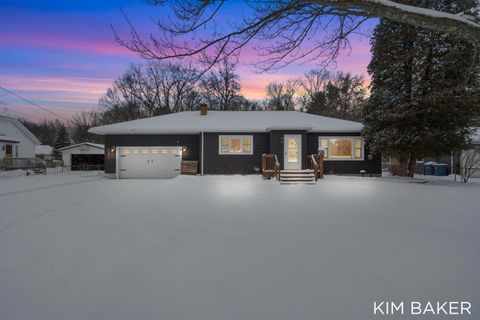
203,152
327,156
235,136
297,164
116,163
94,145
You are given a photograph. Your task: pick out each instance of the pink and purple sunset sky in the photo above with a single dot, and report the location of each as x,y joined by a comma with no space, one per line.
62,54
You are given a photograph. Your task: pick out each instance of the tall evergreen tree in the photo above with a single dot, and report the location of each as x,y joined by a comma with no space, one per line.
424,93
61,141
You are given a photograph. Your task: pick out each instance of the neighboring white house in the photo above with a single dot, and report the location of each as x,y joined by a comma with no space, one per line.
16,140
80,155
43,151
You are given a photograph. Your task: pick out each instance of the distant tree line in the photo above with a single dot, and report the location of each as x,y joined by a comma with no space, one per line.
322,92
54,133
156,88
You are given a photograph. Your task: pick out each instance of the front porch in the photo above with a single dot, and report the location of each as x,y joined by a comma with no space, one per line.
271,168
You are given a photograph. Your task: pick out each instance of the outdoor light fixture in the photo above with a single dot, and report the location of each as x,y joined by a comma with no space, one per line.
184,149
112,149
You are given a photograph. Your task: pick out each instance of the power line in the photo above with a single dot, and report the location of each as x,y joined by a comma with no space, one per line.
34,104
7,109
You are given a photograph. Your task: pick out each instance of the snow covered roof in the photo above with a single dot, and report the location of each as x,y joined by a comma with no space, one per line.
230,121
21,127
9,139
95,145
43,149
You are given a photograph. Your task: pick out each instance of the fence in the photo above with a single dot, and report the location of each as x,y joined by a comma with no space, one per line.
40,166
34,164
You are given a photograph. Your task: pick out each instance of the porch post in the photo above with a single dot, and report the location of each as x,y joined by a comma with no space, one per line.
202,156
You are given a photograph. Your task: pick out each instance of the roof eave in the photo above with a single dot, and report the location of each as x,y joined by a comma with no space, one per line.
79,144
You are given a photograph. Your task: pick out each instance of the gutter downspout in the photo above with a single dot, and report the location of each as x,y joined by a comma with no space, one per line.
116,163
203,149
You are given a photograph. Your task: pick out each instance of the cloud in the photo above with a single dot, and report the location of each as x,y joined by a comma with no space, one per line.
92,46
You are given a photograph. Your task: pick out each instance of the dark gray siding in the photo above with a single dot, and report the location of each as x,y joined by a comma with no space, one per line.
345,167
233,164
276,144
238,164
190,141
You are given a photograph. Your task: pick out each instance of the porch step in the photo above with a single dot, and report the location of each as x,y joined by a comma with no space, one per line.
296,171
297,176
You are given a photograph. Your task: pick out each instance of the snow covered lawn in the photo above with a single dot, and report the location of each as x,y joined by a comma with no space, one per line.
76,246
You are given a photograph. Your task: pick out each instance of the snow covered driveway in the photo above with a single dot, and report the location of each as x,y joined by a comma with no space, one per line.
221,248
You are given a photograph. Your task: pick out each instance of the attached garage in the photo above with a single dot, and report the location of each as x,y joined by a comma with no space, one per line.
149,162
84,156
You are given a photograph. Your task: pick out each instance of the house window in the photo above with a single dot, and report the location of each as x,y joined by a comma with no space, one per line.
235,145
341,148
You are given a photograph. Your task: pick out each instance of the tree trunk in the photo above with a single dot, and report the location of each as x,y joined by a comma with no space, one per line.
402,166
412,160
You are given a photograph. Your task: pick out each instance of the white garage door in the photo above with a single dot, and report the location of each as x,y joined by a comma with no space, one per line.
149,162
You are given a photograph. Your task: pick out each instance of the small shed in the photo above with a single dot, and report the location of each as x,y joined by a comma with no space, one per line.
43,151
84,156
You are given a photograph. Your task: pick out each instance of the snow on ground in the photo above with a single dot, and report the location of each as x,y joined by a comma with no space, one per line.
77,246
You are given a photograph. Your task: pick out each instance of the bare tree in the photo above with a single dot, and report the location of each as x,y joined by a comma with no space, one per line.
281,95
172,84
150,89
325,25
346,95
126,100
312,84
469,163
340,95
222,87
45,131
80,124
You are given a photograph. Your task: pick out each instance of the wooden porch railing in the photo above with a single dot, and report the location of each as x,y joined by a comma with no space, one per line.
270,166
315,162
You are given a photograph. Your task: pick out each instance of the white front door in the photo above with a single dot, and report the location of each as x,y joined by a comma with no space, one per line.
292,151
